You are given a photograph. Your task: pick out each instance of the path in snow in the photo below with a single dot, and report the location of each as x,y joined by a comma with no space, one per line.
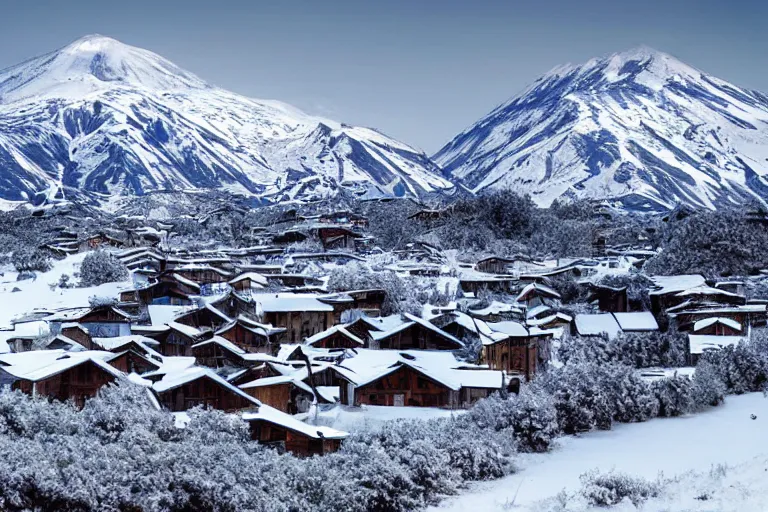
724,434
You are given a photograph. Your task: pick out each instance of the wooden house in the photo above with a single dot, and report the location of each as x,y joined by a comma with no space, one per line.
274,428
76,332
718,326
336,337
68,377
178,339
199,386
613,300
100,321
207,317
407,385
301,315
415,333
248,281
169,289
536,294
337,237
476,283
100,240
748,315
283,392
202,274
131,361
344,218
516,349
252,336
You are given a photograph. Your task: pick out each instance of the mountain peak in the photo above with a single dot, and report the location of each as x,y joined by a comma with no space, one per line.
92,63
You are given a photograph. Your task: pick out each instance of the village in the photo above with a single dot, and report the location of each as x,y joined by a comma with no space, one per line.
256,331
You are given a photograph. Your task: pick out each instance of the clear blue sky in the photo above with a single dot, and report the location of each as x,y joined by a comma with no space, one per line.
419,71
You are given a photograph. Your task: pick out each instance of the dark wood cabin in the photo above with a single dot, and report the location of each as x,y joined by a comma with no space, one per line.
336,337
294,441
105,322
101,240
344,217
203,274
337,237
300,325
406,386
76,332
749,315
491,283
719,327
523,355
79,383
611,300
207,317
251,336
203,390
417,336
495,265
282,393
130,361
178,341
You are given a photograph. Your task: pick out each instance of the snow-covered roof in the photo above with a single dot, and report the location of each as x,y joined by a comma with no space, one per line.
272,415
706,322
46,367
542,288
273,381
673,284
185,281
637,321
509,328
597,324
253,276
535,322
187,330
537,310
495,308
701,343
341,329
706,290
223,343
287,302
176,379
411,320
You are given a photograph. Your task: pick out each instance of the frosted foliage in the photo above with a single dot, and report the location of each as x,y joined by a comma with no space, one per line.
100,267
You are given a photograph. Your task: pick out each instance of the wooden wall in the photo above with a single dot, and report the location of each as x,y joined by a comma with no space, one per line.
406,387
203,391
79,383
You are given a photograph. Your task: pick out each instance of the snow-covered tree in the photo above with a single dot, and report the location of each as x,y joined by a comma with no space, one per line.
101,267
675,395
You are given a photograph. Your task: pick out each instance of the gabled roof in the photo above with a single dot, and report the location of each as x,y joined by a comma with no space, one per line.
541,289
637,321
410,321
340,329
253,276
42,367
674,284
288,302
700,343
274,381
272,415
706,322
177,379
597,324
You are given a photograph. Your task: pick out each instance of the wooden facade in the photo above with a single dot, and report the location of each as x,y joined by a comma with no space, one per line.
283,396
523,355
406,387
130,361
495,265
292,441
203,391
300,325
78,383
417,337
249,338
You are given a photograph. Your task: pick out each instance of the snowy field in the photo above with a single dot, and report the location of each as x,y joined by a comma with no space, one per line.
37,293
672,446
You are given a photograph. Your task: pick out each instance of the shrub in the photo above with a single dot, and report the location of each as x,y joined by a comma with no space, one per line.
30,260
101,267
608,489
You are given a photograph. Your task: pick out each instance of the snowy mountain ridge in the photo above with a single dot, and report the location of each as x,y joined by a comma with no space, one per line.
639,127
105,118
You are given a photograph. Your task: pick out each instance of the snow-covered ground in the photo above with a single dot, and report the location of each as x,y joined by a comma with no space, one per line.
352,419
723,435
37,293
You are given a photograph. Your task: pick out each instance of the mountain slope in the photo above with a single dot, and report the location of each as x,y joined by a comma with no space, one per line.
106,118
640,127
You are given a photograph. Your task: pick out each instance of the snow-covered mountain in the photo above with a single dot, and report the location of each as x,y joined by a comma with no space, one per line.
640,127
105,118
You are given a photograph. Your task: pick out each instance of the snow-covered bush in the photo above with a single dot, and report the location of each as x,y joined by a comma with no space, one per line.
639,350
674,395
357,276
608,489
707,386
743,368
101,267
580,401
30,260
530,417
96,301
629,396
